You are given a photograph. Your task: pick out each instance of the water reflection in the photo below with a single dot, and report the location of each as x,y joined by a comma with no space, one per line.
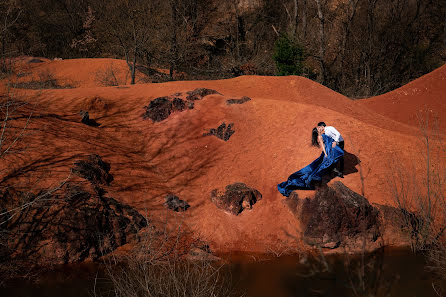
394,272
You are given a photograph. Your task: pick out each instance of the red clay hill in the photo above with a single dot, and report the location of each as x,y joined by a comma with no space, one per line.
426,94
270,140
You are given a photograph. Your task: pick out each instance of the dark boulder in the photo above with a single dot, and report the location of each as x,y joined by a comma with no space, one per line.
178,104
238,101
176,204
86,119
35,60
199,93
223,132
94,169
159,109
70,225
236,198
335,216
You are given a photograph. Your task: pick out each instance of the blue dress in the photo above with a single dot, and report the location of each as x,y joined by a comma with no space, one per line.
302,179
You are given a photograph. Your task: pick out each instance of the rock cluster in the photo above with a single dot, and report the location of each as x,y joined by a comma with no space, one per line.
160,108
199,93
71,224
236,198
86,119
334,216
94,169
176,204
223,132
238,101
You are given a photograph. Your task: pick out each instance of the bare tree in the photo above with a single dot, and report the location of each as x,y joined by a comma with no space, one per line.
320,4
157,266
130,24
421,199
10,12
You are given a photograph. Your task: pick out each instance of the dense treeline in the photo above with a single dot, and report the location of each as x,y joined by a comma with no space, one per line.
357,47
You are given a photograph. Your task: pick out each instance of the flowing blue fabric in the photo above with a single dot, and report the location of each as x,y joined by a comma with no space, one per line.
302,179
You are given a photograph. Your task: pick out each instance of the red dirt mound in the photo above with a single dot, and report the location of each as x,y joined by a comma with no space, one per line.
426,94
150,160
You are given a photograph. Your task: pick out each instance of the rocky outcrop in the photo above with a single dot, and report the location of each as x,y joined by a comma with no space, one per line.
335,216
161,108
94,169
35,60
199,93
238,101
223,132
236,198
158,109
86,119
74,225
176,204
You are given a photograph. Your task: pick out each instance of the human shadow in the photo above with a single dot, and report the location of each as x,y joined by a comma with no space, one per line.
350,163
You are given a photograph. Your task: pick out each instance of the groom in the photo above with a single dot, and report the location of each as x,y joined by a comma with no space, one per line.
339,141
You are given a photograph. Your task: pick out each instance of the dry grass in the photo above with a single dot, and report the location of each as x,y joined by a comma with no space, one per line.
109,77
158,267
421,199
45,80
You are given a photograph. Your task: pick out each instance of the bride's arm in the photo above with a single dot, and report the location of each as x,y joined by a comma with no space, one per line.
321,144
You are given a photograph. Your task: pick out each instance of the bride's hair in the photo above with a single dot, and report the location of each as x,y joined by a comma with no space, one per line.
314,135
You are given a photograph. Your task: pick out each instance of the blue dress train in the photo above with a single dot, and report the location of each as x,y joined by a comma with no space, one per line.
302,179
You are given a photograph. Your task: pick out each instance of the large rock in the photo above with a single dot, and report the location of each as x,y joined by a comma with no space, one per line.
335,216
72,225
94,169
238,101
236,198
176,204
199,93
160,108
223,132
86,119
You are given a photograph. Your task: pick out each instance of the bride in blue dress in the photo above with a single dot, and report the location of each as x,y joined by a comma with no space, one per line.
304,178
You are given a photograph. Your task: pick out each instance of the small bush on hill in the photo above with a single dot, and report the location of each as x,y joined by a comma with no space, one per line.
289,56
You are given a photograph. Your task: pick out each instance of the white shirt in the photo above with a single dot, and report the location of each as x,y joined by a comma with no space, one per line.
333,133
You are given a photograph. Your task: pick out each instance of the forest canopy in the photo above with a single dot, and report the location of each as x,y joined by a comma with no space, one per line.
359,48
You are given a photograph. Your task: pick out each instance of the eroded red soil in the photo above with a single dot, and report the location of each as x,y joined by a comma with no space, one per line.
271,140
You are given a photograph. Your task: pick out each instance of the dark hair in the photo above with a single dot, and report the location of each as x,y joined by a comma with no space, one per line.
314,135
321,124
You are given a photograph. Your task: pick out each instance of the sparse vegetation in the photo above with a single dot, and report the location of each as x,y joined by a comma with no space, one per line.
158,266
107,77
45,80
421,199
357,47
289,56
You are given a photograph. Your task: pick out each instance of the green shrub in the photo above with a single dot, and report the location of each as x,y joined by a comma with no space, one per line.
289,56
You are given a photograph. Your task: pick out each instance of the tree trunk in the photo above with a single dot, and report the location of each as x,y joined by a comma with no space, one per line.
174,39
320,15
351,12
304,18
134,65
295,20
237,33
369,51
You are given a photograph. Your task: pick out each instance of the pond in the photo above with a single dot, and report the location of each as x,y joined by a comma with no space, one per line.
395,271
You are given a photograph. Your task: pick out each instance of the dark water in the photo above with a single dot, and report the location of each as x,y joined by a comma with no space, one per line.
396,272
391,273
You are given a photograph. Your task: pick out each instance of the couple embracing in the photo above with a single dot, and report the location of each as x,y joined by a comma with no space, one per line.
330,141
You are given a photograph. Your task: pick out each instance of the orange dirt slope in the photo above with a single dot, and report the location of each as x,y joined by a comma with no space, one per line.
271,141
426,94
